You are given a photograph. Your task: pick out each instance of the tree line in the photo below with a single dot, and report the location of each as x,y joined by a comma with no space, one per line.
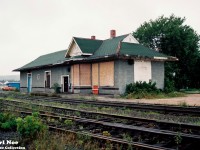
171,36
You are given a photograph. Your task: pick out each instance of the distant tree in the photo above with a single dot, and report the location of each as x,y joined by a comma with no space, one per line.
171,36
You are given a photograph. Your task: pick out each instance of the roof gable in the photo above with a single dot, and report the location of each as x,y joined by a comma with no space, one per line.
83,46
130,39
74,49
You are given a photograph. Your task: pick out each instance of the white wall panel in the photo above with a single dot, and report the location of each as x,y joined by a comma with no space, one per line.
142,71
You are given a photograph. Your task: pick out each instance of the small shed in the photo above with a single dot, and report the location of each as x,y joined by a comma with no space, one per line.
14,84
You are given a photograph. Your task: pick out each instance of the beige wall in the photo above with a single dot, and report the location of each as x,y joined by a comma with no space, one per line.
95,74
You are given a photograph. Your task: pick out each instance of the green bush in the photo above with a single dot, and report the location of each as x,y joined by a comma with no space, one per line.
30,126
139,87
7,121
56,88
169,86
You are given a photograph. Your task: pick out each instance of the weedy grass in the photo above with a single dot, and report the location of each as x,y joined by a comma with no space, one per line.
183,104
61,141
69,123
197,123
152,95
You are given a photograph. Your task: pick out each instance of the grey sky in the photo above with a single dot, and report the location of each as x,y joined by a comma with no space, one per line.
30,28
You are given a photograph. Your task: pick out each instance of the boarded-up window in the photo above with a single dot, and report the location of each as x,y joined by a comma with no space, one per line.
76,75
85,74
95,74
107,73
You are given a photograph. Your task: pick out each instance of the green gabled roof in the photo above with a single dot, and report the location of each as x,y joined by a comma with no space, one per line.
88,45
48,59
139,50
99,49
109,46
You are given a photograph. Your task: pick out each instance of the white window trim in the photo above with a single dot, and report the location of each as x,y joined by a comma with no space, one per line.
46,78
62,81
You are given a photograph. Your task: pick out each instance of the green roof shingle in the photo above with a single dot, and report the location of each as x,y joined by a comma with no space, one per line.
48,59
109,46
138,50
88,45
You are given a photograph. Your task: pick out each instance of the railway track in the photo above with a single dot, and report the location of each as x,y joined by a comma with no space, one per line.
166,109
148,123
127,143
148,134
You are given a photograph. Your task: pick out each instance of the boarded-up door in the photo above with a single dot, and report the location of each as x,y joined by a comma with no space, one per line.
107,73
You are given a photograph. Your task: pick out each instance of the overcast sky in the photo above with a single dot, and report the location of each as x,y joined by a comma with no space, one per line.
30,28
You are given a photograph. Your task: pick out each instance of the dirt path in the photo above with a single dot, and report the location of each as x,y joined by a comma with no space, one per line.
190,99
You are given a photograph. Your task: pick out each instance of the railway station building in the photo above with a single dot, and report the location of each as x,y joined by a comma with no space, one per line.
88,63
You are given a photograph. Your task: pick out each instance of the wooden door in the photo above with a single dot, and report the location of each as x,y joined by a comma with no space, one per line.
66,83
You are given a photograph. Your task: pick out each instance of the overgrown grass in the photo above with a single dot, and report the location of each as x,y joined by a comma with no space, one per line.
68,141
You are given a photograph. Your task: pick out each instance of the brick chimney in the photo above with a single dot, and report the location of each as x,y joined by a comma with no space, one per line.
112,34
93,37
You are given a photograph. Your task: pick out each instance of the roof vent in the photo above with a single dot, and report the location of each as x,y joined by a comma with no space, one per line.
93,37
112,33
